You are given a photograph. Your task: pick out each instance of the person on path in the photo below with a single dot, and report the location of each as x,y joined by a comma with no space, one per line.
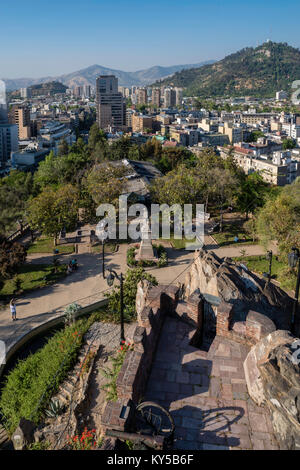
13,309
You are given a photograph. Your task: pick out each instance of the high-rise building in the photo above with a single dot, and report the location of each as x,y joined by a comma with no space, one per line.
179,96
170,98
25,92
20,115
141,96
87,91
3,113
110,105
156,97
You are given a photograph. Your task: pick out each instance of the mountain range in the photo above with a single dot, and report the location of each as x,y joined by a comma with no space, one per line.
259,71
87,76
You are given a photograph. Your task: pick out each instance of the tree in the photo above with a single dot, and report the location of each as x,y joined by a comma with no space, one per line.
251,194
15,189
279,218
12,255
54,210
132,278
288,144
96,136
223,185
106,182
180,186
63,148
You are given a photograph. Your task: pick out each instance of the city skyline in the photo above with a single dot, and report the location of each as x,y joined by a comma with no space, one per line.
132,37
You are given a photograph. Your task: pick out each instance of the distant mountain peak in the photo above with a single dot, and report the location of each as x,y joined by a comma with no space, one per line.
88,75
259,71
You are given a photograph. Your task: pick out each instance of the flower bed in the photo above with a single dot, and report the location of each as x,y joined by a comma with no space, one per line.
112,373
161,254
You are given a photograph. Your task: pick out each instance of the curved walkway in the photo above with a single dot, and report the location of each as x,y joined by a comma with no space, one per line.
41,305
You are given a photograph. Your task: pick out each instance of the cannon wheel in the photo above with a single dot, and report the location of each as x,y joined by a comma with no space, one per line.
153,419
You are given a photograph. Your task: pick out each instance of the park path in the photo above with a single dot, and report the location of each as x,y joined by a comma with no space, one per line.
39,306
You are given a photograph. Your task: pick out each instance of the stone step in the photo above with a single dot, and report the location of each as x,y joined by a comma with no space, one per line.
3,436
62,398
66,388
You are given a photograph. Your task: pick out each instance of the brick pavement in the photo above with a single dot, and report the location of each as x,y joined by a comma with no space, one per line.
206,393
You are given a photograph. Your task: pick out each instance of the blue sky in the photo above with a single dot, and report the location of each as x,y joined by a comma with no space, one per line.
43,37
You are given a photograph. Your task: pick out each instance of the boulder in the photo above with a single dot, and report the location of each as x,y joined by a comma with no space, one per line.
273,378
233,283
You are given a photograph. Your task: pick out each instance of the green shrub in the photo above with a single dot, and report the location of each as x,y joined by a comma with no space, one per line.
70,312
132,278
31,384
162,256
42,445
111,374
131,261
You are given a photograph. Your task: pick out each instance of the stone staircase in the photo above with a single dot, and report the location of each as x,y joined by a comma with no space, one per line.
4,438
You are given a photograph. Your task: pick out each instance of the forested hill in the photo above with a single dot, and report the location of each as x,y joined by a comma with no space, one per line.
257,71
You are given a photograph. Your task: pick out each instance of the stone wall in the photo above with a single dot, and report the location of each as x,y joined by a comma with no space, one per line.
234,285
273,378
152,305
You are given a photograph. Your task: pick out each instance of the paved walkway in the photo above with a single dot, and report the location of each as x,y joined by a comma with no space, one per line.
37,306
206,393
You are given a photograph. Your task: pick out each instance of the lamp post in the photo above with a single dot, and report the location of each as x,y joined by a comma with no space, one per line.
103,267
110,280
294,261
269,257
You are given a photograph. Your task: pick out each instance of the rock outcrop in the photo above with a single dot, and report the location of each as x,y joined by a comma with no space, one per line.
234,284
273,378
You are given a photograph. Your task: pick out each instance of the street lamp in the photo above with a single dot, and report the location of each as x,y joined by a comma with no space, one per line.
269,257
294,261
103,267
110,281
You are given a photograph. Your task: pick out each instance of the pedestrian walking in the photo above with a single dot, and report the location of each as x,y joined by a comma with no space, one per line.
13,309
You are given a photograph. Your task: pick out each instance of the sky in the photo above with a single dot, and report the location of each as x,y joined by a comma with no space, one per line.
41,38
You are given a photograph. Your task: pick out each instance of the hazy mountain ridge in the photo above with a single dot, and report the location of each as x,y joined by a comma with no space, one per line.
88,75
259,71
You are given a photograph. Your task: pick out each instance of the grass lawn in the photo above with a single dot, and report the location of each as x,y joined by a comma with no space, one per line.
32,276
230,231
108,248
45,245
178,244
280,271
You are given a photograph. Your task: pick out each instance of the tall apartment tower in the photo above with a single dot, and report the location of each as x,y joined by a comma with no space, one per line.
20,115
156,97
170,98
110,105
25,92
141,96
179,96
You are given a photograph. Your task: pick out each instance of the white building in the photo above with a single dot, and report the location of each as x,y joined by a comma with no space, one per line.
53,132
281,95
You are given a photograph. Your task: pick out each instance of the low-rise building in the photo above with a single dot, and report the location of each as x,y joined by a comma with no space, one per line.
278,169
141,122
29,157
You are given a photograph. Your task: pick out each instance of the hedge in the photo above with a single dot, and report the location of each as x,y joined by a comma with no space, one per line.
31,384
